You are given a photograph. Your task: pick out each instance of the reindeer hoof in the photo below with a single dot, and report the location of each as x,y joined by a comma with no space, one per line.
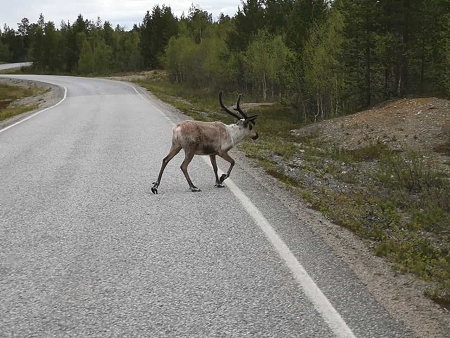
195,189
223,177
155,188
219,185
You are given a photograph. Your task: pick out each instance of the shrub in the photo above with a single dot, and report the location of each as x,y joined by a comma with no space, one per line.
408,172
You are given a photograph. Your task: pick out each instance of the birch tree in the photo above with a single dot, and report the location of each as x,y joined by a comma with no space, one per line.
266,58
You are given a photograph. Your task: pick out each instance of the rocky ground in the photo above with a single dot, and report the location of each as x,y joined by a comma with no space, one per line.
409,123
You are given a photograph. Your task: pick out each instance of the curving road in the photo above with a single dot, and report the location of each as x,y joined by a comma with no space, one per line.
6,66
86,250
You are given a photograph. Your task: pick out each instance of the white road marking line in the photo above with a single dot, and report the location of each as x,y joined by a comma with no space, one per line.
312,291
38,112
147,99
309,287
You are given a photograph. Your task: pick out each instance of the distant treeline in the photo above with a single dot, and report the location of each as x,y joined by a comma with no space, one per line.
325,58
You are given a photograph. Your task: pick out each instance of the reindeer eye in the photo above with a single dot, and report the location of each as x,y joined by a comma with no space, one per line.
250,127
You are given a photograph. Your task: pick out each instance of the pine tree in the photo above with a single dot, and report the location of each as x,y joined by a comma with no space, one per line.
305,14
23,31
86,61
198,21
50,51
276,14
4,52
156,30
37,47
361,30
247,22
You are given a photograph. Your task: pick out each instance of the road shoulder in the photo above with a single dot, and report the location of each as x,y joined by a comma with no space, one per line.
402,295
48,99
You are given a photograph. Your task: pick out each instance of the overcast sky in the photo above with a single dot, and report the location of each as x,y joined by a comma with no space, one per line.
118,12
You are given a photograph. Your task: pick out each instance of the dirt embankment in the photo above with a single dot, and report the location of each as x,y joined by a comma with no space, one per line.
421,125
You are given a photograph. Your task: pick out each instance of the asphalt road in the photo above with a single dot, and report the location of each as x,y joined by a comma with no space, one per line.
14,65
86,250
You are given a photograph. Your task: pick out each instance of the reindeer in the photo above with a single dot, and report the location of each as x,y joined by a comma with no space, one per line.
208,138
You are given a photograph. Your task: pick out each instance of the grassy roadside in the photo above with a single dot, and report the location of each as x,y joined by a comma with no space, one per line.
396,201
9,96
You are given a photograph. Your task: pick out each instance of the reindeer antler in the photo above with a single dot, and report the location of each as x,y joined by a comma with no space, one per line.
238,108
225,108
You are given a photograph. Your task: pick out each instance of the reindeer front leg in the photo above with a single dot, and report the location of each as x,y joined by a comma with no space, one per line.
173,151
227,158
219,183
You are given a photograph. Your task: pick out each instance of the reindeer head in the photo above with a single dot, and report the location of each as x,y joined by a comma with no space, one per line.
244,123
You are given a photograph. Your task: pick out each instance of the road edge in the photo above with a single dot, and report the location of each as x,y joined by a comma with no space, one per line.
58,95
402,295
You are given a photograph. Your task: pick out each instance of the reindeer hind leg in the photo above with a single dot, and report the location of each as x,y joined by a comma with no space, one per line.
184,165
173,151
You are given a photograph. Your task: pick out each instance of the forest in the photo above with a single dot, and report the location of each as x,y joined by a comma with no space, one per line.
322,58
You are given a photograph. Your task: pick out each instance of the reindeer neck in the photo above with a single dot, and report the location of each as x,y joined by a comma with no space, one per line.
236,134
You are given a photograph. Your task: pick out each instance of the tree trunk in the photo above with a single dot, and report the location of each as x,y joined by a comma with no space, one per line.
264,83
318,108
322,115
367,77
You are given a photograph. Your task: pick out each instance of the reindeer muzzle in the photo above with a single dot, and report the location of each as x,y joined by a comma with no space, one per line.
255,137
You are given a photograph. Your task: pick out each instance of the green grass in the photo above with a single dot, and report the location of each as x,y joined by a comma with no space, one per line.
7,113
20,70
366,153
395,201
193,101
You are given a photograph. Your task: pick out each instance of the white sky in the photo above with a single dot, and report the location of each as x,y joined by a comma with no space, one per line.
118,12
